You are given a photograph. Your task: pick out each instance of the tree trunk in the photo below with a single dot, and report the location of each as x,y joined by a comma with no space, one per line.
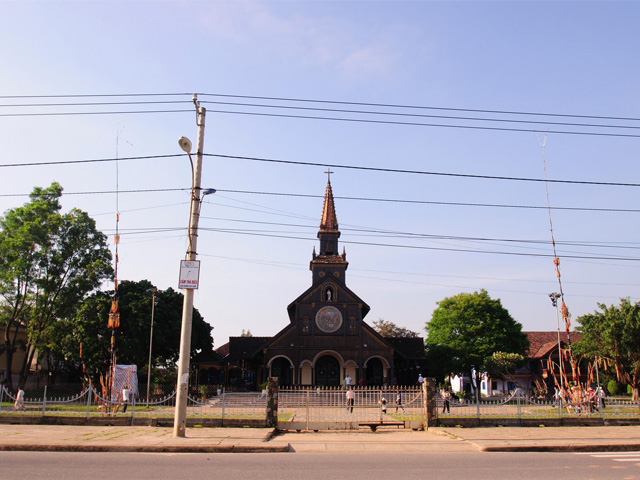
10,348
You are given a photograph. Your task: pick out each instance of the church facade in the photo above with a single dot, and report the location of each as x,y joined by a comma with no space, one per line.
326,340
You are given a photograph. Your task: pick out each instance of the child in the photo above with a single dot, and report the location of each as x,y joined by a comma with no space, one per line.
383,402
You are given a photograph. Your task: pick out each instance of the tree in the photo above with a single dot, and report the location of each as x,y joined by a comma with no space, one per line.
48,263
390,329
470,327
89,328
614,332
504,365
246,334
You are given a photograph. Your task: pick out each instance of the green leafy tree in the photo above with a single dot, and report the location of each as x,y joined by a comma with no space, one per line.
390,329
504,365
614,332
48,263
469,328
89,327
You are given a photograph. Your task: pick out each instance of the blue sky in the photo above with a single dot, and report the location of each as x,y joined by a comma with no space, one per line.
570,58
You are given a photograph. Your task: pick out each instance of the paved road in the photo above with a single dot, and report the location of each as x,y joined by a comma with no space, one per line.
320,466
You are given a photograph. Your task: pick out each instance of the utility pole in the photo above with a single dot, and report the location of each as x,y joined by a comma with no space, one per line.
153,308
180,419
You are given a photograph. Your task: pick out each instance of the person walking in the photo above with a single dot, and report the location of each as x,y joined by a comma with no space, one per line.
399,401
351,396
19,403
383,402
446,397
125,397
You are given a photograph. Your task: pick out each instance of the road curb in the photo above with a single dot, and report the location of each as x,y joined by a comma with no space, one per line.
148,448
625,447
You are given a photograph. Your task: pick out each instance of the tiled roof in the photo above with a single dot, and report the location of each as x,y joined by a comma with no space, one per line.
541,343
223,350
246,347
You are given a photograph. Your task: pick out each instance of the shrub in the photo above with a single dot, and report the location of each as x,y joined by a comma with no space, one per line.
613,387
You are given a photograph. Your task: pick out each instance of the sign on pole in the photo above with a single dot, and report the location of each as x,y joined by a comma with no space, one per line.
189,274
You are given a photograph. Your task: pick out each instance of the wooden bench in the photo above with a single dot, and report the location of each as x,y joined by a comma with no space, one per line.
374,425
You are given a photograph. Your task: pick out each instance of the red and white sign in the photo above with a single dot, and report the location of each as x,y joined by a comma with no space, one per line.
189,274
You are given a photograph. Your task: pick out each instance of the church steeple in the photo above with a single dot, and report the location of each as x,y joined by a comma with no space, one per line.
329,257
329,221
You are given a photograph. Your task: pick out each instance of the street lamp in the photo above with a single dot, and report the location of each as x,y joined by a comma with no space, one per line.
153,308
180,418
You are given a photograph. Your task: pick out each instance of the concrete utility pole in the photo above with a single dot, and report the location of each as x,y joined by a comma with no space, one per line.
153,309
180,419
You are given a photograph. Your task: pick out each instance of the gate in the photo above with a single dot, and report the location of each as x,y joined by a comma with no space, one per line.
327,408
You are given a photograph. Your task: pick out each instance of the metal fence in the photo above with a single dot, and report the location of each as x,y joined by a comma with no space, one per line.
522,406
307,408
76,401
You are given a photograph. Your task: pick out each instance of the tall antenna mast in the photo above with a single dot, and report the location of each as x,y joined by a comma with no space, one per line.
566,316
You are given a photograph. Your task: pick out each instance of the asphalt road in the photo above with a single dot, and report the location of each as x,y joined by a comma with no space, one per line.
320,466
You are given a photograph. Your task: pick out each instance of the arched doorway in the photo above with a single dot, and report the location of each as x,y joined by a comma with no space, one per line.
375,372
281,368
327,371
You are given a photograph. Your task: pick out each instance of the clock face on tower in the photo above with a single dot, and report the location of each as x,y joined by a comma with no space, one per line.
329,319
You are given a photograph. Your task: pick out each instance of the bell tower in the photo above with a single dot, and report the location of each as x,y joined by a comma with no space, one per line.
328,262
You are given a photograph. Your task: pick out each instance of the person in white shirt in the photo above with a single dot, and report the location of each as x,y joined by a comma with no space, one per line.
126,393
19,404
351,395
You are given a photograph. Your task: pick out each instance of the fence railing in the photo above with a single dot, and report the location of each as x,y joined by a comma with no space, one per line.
312,403
88,402
522,406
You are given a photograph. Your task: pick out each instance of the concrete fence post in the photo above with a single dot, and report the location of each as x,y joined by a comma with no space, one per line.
272,402
89,395
44,401
430,402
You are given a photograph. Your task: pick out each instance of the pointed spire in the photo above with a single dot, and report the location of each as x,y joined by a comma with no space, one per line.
329,220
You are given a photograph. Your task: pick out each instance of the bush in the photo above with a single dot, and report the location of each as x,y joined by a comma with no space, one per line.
629,390
613,387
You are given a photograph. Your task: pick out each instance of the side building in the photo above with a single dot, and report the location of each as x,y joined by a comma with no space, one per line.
326,340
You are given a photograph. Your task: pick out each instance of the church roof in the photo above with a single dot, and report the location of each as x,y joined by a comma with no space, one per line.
541,343
329,220
246,347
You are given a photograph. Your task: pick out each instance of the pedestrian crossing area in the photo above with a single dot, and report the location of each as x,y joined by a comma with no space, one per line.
624,458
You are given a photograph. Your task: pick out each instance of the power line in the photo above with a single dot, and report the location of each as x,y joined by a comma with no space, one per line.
419,124
332,165
334,102
433,202
95,160
364,199
421,107
104,95
422,247
421,172
107,192
416,235
66,114
417,115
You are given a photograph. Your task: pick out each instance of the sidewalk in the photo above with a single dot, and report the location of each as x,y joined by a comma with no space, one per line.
209,440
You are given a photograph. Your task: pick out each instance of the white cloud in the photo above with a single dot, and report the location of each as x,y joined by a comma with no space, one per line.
299,36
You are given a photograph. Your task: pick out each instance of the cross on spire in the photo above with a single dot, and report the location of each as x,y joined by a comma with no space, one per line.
329,172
